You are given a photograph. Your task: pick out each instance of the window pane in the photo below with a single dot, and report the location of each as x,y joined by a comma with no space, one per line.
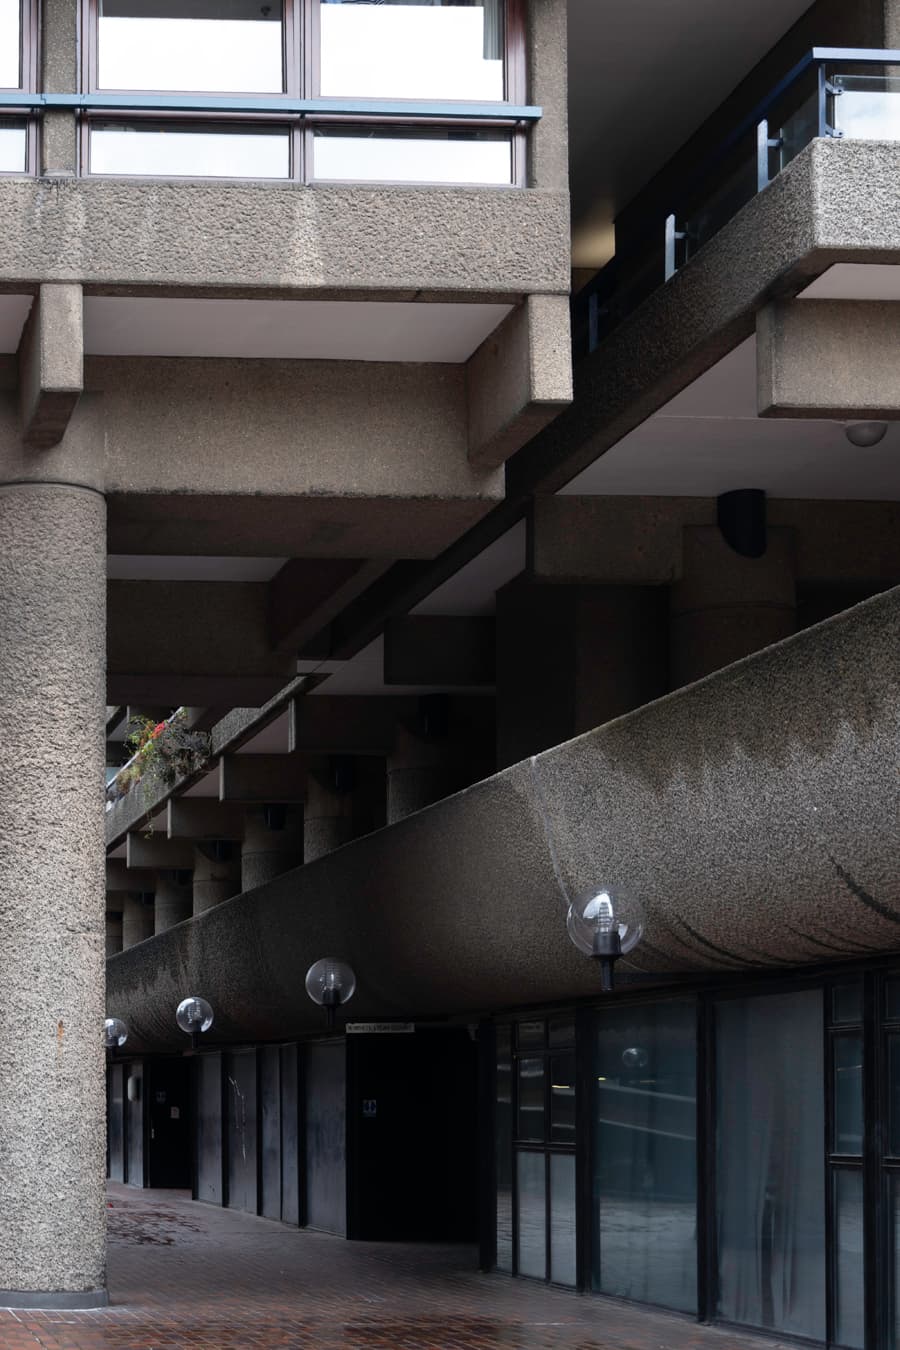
190,154
894,1096
562,1218
503,1123
530,1035
562,1031
846,1003
848,1240
446,156
531,1099
645,1209
848,1102
10,44
562,1098
892,1000
770,1179
895,1270
202,46
12,149
401,50
532,1244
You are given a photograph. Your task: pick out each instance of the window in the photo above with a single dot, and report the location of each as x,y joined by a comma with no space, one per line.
17,72
314,56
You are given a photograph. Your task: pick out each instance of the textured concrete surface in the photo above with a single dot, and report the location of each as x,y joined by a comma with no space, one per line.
52,910
58,75
195,1277
266,852
216,878
51,365
327,815
172,900
725,606
518,379
828,358
548,142
835,201
138,919
284,237
752,818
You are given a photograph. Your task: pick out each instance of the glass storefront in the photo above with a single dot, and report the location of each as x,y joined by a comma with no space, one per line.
731,1153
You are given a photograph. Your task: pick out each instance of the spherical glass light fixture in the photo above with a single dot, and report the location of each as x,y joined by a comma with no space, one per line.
594,925
115,1033
330,983
194,1016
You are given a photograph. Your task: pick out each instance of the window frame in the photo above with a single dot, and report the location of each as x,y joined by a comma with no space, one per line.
301,46
29,49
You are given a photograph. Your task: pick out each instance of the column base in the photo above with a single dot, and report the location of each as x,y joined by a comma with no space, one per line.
50,1299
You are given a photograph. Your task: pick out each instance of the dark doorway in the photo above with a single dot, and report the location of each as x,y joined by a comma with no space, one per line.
412,1136
169,1124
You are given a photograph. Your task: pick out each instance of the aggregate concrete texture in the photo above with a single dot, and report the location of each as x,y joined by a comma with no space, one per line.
284,237
750,818
52,899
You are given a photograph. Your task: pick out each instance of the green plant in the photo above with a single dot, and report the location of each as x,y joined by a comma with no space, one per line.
161,754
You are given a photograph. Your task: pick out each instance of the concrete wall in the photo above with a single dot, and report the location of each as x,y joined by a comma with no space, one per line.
750,817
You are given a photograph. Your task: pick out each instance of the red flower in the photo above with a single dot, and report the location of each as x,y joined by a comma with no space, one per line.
160,726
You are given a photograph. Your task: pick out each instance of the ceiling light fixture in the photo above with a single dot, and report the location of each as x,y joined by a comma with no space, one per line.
865,434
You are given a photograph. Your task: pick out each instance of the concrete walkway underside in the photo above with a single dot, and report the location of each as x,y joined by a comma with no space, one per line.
188,1275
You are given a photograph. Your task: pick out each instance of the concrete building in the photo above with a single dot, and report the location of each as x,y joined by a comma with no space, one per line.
478,419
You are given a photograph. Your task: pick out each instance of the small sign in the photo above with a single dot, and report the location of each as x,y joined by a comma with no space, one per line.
380,1028
370,1107
175,1112
160,1099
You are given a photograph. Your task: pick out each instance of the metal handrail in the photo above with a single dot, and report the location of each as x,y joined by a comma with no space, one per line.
587,313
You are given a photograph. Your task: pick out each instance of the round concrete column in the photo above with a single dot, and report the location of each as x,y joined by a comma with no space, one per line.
217,874
273,843
419,771
327,816
113,932
174,900
137,919
52,896
727,606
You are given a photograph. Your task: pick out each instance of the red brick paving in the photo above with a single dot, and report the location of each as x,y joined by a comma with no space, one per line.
184,1276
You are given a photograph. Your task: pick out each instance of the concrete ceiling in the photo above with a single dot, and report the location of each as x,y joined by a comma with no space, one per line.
642,77
170,567
329,330
13,313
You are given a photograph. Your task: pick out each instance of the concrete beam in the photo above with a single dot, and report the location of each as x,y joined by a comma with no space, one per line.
329,725
121,877
308,592
518,379
262,778
205,639
157,851
51,365
203,818
611,540
439,650
828,358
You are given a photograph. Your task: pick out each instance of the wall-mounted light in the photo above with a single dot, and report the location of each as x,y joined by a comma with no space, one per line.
115,1034
865,434
194,1016
594,926
330,983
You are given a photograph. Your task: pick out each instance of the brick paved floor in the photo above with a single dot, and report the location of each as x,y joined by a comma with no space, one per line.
191,1276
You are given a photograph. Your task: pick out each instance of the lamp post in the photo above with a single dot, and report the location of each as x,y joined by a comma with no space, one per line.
115,1034
194,1016
330,983
594,926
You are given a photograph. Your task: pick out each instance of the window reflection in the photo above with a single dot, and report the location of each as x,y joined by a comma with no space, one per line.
205,46
12,149
531,1099
645,1149
503,1124
532,1235
401,50
398,156
848,1094
562,1098
179,153
10,44
848,1241
562,1218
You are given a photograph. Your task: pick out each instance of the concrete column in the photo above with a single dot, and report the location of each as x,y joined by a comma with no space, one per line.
727,606
137,919
328,813
273,843
217,874
59,75
174,900
572,657
113,932
52,896
420,771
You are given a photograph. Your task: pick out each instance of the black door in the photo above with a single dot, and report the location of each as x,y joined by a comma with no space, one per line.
169,1113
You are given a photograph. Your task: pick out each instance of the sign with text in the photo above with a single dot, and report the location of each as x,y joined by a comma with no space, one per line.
380,1028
